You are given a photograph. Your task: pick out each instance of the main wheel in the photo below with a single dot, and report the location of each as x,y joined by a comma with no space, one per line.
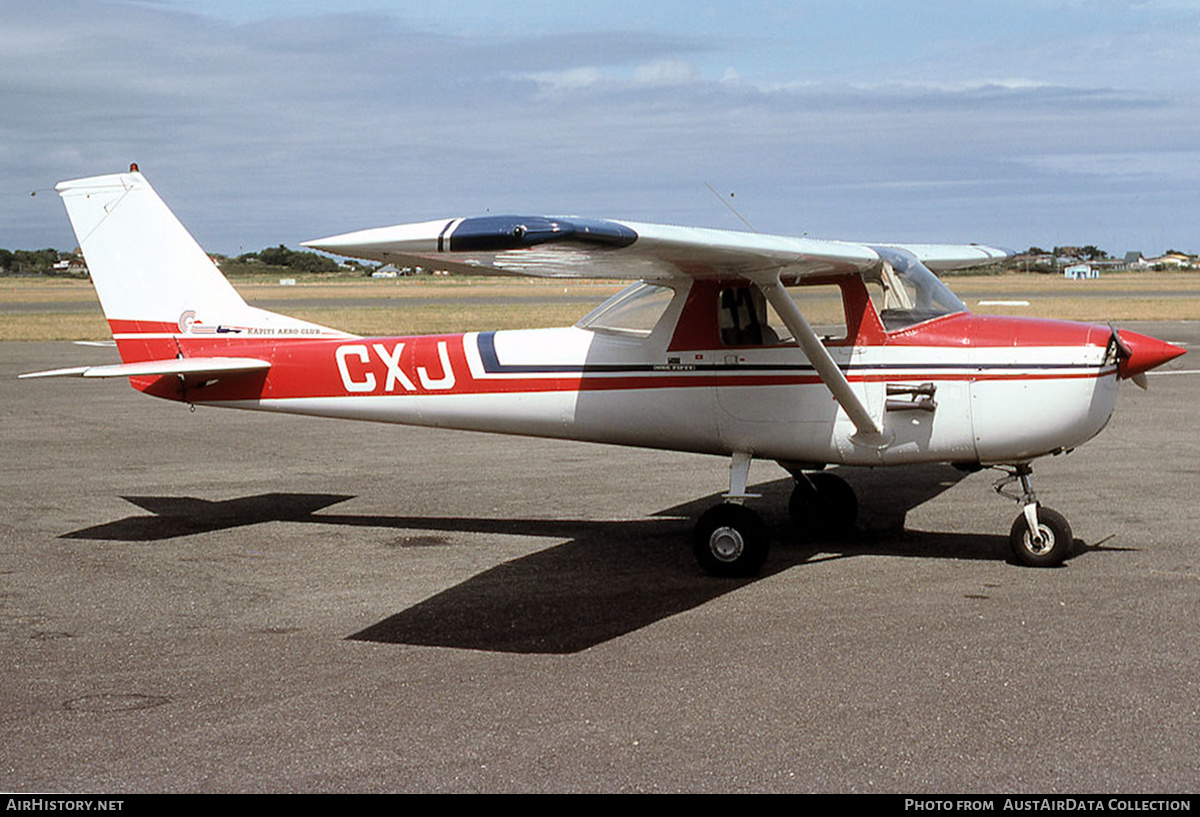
730,540
823,505
1049,548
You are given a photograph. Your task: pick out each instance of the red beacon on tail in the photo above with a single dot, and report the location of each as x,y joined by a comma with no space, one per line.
811,353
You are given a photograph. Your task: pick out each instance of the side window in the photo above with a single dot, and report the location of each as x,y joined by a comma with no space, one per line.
823,309
633,311
746,319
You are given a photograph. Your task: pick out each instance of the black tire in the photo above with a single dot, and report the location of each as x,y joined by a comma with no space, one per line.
730,540
1056,539
823,505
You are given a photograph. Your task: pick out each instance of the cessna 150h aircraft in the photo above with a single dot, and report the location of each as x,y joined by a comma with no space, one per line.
806,352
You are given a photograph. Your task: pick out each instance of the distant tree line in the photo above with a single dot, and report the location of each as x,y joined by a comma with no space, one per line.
281,256
1089,252
57,262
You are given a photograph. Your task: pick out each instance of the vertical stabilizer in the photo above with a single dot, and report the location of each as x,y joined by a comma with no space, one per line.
143,262
153,279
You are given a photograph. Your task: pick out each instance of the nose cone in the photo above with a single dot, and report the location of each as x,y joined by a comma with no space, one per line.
1141,353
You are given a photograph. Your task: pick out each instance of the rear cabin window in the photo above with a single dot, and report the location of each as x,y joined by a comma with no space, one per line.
633,311
746,318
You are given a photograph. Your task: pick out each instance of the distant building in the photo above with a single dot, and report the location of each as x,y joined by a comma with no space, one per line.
71,266
1080,272
1172,259
1175,260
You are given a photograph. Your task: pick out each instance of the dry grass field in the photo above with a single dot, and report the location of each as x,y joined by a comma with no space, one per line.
1126,296
50,309
56,309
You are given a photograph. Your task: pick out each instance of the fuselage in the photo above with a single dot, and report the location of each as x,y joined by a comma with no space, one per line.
956,388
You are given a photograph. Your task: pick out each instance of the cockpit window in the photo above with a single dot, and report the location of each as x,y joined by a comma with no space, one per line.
633,311
905,292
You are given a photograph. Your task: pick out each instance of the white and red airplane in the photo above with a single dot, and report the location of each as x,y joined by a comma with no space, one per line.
807,352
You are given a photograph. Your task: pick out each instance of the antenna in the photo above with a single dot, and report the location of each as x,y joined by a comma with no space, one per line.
732,209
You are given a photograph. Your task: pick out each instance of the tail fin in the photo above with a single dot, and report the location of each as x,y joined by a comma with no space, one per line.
154,281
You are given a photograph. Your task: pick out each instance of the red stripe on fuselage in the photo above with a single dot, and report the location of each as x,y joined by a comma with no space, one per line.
347,367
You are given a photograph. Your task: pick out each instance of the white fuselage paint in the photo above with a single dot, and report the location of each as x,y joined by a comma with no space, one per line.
994,405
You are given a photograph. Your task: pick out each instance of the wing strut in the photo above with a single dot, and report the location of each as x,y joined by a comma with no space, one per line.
868,431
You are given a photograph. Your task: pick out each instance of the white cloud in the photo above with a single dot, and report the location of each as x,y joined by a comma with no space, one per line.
665,73
1133,166
660,73
571,79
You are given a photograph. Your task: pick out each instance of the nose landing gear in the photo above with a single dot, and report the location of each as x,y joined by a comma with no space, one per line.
1040,537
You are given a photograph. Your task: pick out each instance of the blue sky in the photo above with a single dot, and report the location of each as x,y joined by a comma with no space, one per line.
1014,123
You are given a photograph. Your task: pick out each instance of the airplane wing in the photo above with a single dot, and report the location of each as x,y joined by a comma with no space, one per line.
590,248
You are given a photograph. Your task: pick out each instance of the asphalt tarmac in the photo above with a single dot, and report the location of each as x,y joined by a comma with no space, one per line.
234,602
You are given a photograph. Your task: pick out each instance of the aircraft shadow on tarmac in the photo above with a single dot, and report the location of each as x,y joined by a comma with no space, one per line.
608,579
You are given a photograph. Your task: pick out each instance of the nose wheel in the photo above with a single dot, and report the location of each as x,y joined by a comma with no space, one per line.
1049,546
1040,537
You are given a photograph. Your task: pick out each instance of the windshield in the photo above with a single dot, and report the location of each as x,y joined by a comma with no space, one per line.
905,292
633,311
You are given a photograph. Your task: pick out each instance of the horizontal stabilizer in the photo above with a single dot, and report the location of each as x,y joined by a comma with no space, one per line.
169,366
